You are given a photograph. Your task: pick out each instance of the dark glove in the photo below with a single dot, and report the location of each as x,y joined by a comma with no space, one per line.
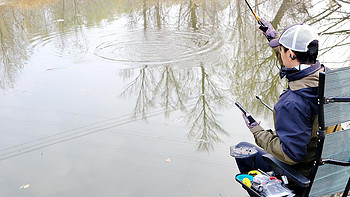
249,121
268,29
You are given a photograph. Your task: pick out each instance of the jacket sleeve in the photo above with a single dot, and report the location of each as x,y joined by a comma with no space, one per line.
271,143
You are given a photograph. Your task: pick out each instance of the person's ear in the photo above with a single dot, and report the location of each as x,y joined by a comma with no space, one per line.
292,55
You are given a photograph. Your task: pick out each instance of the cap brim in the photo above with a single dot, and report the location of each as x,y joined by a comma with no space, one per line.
274,42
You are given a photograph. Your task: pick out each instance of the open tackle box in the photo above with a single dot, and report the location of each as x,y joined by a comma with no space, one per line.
259,183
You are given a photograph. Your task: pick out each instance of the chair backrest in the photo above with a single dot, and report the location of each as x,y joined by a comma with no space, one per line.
333,174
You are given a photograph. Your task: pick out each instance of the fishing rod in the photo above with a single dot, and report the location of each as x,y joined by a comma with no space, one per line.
263,27
258,97
250,118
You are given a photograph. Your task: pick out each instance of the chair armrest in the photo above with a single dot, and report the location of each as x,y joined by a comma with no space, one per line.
335,162
287,170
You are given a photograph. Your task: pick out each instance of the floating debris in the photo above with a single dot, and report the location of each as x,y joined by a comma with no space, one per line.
26,186
179,119
26,92
168,160
203,141
58,68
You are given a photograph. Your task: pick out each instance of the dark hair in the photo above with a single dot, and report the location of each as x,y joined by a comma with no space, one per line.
308,57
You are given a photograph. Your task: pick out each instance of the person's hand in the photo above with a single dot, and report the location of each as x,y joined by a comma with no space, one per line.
249,121
268,30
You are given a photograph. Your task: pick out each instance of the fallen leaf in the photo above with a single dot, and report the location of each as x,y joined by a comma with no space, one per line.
179,119
168,160
26,186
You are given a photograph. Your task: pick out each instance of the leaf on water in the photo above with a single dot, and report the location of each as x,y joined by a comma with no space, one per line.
168,160
55,68
179,119
203,141
26,186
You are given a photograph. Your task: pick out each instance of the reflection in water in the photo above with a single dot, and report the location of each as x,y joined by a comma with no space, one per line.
154,46
33,4
197,56
13,42
205,127
333,23
173,87
144,97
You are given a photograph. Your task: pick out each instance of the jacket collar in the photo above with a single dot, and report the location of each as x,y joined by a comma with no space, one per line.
294,74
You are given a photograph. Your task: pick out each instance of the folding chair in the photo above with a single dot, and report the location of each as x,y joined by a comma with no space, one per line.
330,173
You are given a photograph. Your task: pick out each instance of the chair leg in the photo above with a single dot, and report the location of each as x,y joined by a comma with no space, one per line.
347,188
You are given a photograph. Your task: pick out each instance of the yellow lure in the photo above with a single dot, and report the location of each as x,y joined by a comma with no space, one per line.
247,182
254,172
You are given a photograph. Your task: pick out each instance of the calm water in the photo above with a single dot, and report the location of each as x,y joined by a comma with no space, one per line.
135,98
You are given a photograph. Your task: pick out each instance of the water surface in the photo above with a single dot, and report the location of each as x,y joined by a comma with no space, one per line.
135,98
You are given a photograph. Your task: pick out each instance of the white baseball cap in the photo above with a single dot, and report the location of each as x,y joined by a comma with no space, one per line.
296,37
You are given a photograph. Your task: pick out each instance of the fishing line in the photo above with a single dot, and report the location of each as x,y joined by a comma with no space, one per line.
61,133
71,136
62,139
69,132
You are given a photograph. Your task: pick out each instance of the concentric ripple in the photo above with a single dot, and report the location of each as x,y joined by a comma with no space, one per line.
135,46
68,45
155,46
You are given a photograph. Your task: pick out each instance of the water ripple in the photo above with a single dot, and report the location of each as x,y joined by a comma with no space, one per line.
140,46
68,45
155,46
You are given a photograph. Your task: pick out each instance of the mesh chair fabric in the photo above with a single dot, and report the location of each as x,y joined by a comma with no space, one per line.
331,179
337,85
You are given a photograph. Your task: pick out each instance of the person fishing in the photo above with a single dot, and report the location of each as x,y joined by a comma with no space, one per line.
295,114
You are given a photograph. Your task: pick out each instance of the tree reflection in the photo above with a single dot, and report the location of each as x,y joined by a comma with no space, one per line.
205,128
13,41
169,90
144,97
33,4
173,87
255,67
333,24
69,19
